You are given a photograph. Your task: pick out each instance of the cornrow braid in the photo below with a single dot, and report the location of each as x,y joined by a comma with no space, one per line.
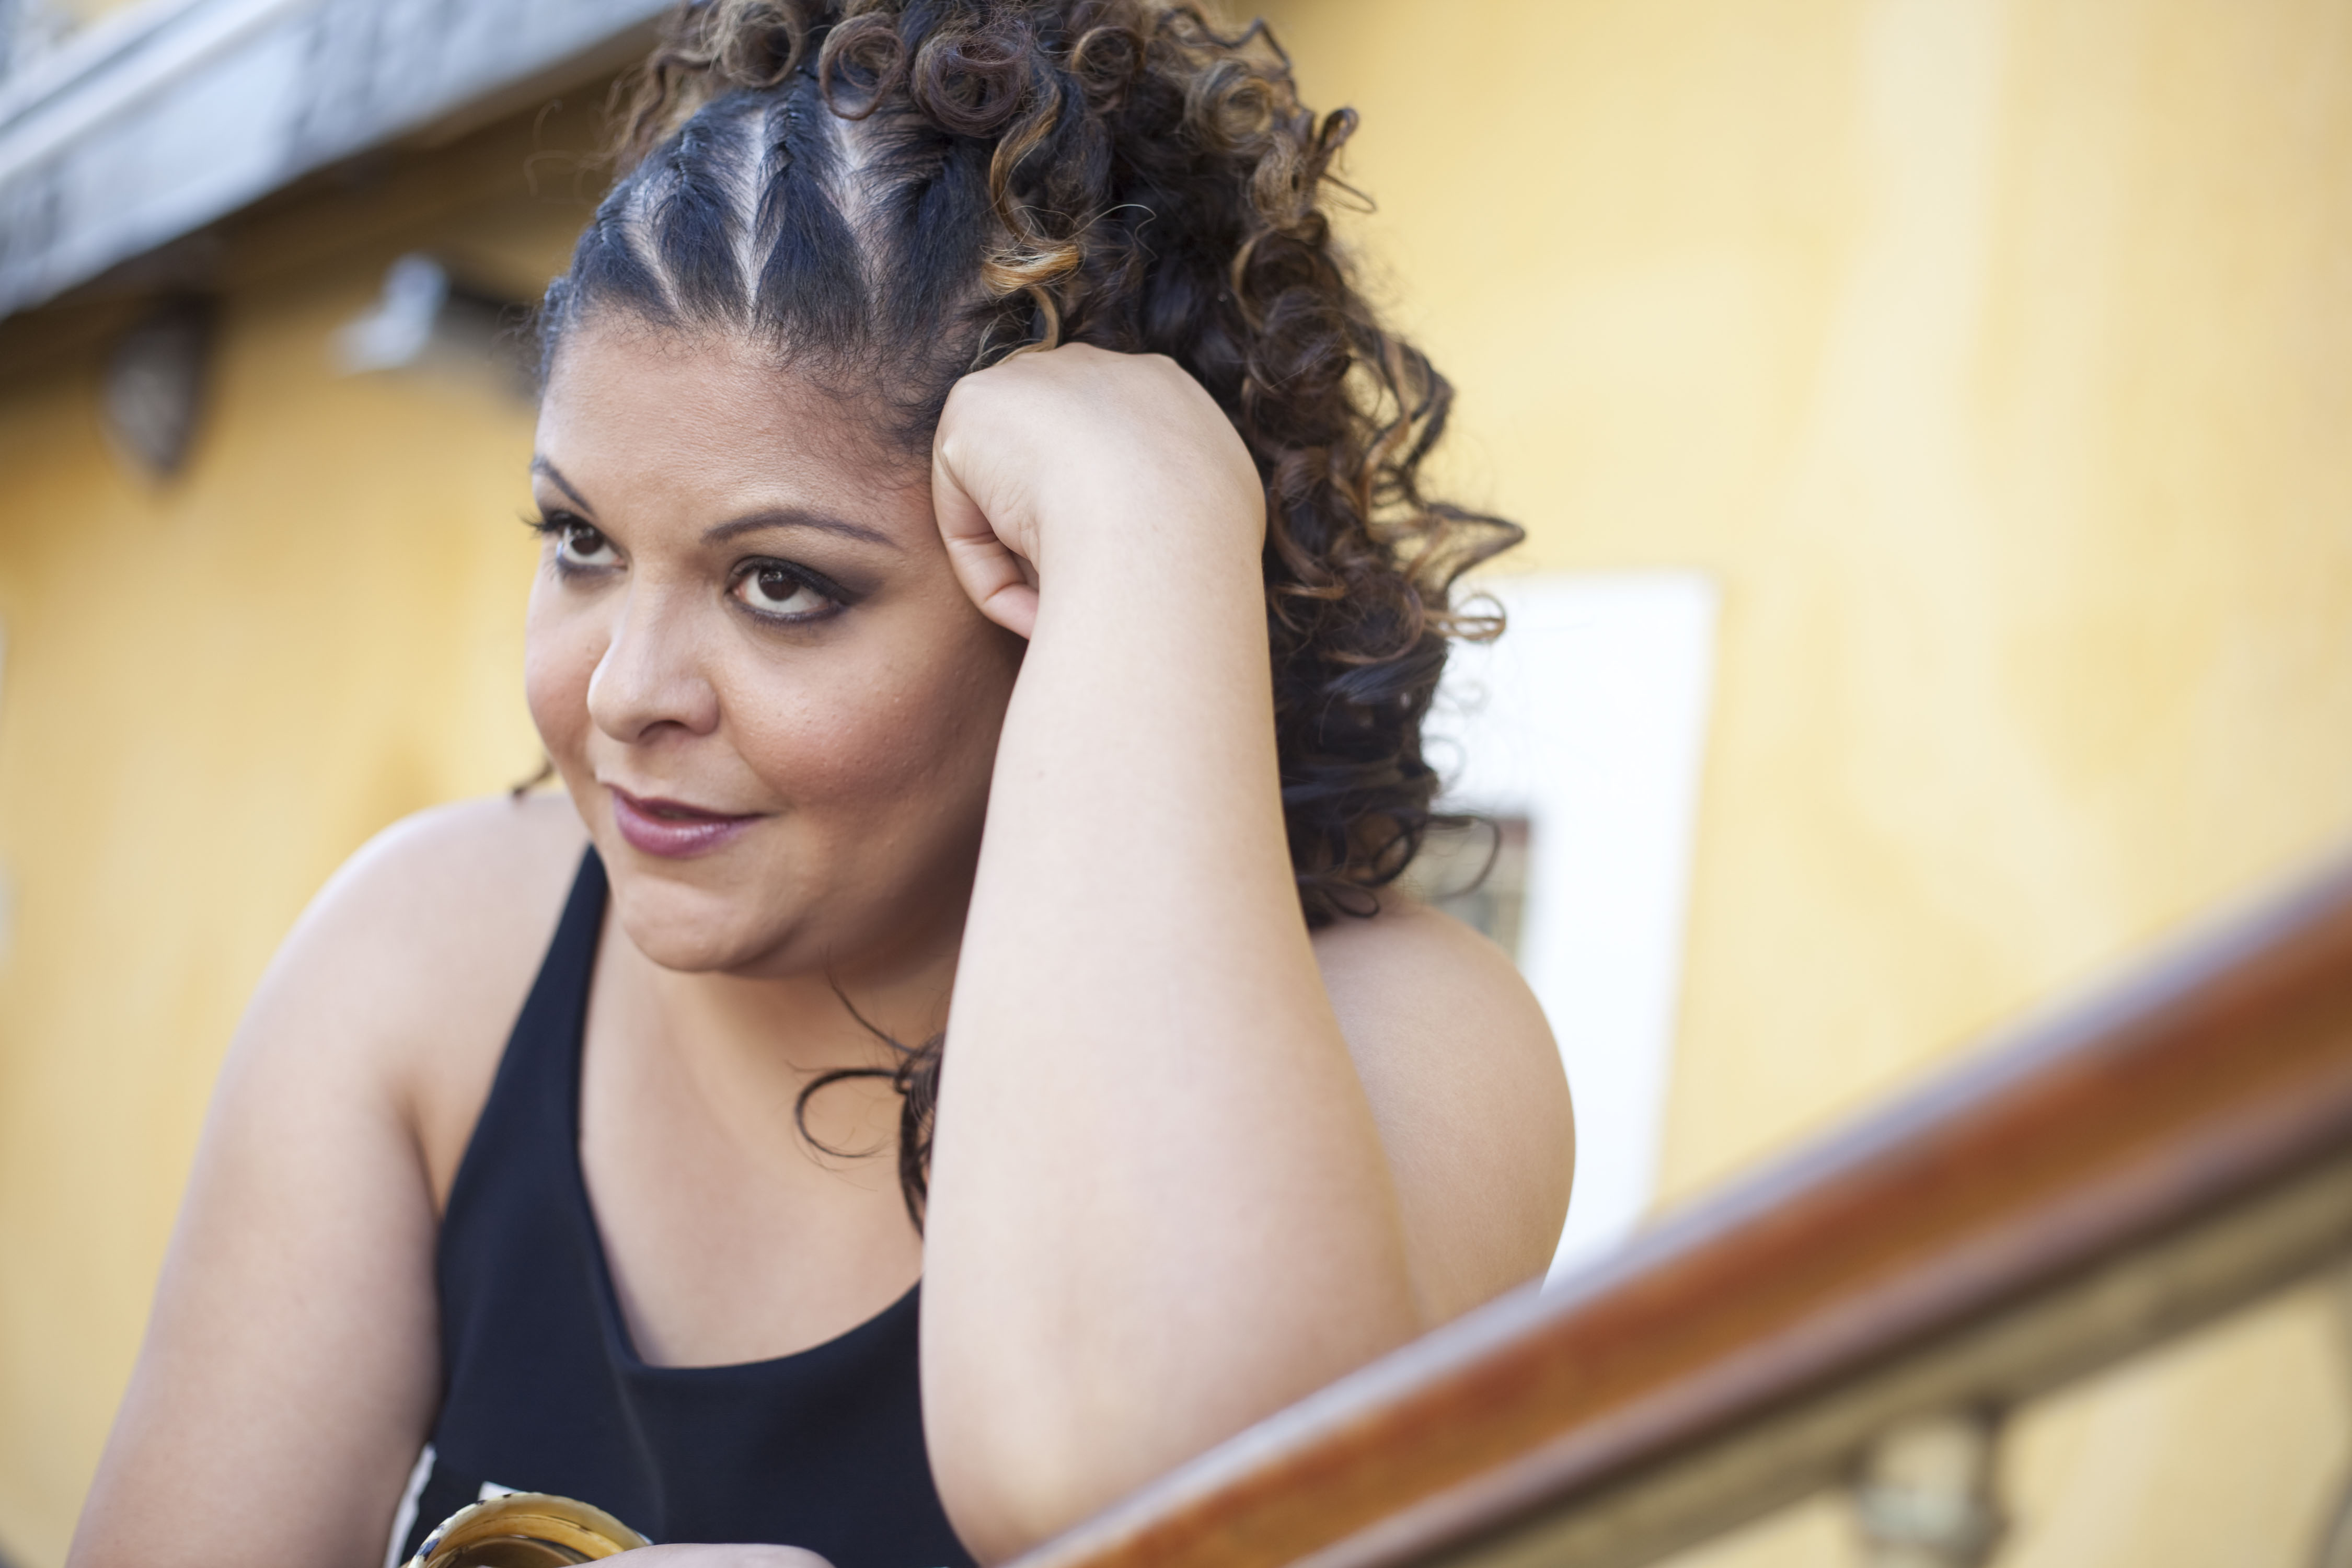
886,195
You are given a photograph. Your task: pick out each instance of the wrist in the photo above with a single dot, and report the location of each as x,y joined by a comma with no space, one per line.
1138,536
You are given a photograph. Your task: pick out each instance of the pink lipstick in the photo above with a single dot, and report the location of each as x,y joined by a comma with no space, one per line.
672,829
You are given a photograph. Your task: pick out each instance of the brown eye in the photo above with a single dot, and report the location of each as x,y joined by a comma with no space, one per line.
582,548
773,590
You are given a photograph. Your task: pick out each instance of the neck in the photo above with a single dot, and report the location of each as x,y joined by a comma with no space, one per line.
747,1045
804,1023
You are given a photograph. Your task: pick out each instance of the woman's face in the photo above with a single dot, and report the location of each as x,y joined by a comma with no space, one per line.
773,705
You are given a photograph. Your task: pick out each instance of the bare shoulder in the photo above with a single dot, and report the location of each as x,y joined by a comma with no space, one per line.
445,878
412,960
1465,1082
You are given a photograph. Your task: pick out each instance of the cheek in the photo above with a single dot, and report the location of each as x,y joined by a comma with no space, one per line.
904,739
560,650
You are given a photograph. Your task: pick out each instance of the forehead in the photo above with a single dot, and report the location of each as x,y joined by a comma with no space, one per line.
629,406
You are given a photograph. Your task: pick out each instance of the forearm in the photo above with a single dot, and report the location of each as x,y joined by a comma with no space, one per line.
1161,1207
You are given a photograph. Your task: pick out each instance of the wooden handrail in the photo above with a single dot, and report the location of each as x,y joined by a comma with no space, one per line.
2133,1165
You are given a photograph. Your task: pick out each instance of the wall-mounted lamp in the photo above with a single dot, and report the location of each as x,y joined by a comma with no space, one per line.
155,382
426,315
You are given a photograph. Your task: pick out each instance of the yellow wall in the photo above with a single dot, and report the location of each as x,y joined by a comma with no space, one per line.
1993,357
1997,360
214,690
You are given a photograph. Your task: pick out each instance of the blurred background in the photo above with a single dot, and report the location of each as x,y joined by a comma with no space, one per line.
1932,420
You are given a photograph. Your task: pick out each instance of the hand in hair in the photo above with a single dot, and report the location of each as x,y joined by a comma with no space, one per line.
1037,457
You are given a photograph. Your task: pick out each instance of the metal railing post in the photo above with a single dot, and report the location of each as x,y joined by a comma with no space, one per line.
1924,1495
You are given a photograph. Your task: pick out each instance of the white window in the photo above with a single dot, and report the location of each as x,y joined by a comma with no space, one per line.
1582,730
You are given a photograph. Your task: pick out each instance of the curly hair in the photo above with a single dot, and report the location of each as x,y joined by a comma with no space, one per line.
888,194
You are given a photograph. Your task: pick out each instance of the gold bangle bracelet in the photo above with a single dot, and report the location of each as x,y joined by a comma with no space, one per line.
525,1530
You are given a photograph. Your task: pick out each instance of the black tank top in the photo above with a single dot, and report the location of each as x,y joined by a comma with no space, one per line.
543,1391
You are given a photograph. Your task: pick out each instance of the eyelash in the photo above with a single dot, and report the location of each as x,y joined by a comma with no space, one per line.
559,526
564,524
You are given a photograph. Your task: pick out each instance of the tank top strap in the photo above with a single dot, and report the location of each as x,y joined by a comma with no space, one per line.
532,1111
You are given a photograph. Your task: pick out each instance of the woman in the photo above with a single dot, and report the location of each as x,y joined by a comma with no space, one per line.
986,597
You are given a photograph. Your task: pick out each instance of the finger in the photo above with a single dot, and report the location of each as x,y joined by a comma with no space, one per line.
998,581
1003,584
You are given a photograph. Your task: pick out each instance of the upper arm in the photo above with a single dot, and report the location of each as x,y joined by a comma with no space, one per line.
290,1362
1467,1091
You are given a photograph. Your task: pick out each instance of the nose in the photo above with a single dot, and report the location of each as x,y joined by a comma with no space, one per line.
652,673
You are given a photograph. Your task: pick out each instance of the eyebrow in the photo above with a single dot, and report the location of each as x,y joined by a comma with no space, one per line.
796,517
751,523
555,475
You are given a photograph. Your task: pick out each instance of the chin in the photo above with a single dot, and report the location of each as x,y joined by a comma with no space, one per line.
691,953
697,931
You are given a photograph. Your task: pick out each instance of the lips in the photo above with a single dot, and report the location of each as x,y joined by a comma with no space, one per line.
671,828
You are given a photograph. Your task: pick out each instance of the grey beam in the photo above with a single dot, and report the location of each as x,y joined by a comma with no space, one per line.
169,114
